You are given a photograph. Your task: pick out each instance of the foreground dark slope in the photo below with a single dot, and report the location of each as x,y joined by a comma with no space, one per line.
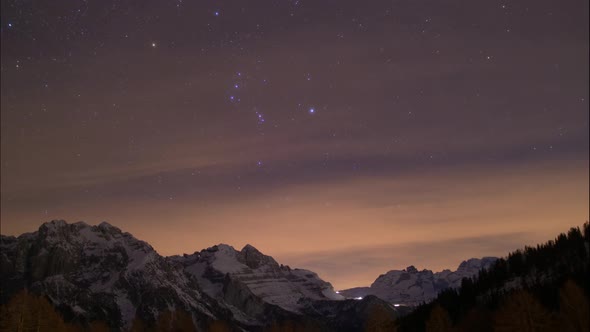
99,274
543,288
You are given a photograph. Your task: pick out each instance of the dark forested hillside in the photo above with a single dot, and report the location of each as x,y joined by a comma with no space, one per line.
535,289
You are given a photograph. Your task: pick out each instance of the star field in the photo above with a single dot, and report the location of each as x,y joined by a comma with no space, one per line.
306,128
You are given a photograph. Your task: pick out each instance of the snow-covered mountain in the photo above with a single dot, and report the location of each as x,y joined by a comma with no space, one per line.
411,287
252,285
101,273
82,268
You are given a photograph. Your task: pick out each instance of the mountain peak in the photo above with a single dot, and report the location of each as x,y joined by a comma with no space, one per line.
249,247
222,247
105,226
55,228
476,263
56,223
253,258
60,223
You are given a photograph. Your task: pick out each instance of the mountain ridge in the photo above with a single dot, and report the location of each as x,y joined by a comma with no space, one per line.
411,287
99,272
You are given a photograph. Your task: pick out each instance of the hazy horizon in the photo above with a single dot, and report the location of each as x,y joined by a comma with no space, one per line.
320,262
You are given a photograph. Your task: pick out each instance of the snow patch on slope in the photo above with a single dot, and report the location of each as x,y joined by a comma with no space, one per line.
226,260
126,308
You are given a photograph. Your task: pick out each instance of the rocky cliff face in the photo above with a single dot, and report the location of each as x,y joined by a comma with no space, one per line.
82,268
411,287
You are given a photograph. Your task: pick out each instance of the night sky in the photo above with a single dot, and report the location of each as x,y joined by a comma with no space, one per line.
346,137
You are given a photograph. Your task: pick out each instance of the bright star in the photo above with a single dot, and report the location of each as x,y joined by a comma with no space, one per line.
311,110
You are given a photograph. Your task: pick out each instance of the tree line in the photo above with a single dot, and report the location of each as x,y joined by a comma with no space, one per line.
542,288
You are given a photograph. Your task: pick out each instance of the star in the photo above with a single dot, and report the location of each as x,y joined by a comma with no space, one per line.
311,110
154,44
260,117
